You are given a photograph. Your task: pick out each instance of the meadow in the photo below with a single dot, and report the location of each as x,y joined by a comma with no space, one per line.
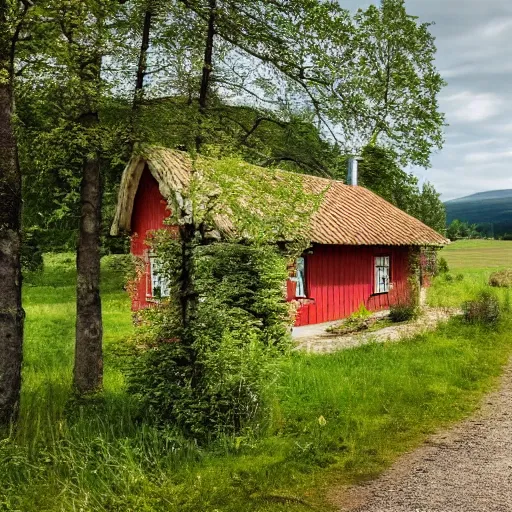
474,260
478,254
331,420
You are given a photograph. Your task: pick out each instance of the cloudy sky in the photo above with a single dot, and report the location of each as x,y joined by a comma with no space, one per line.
474,42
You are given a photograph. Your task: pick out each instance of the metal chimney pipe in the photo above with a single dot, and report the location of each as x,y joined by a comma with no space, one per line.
353,163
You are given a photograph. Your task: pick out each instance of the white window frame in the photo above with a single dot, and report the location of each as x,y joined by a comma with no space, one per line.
156,280
300,278
382,273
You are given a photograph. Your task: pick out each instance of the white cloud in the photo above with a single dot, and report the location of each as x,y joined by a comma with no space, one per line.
470,143
496,28
472,107
486,156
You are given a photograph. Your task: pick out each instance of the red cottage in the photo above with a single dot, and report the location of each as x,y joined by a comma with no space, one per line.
361,245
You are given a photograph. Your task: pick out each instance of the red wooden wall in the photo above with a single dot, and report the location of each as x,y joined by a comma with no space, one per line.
341,278
149,212
338,278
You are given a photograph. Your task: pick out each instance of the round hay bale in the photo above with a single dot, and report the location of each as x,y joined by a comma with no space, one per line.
501,279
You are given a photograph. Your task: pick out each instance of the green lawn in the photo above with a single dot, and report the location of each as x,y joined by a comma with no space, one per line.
377,401
478,254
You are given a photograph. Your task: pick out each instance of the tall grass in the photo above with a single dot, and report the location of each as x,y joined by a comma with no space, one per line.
336,418
452,293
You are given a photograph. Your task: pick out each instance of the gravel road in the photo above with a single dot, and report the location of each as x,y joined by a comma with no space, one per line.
466,469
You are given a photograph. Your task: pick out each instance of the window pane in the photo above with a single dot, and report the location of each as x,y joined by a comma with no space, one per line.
300,278
382,274
159,284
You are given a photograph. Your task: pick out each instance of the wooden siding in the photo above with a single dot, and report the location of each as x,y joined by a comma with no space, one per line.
341,278
149,212
338,278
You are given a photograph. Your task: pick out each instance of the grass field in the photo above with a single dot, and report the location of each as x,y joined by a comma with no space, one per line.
474,260
377,402
478,254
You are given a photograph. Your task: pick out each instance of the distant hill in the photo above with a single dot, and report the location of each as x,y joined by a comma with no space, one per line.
492,209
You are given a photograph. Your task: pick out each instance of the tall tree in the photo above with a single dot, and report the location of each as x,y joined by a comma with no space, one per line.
380,172
395,77
271,54
430,209
12,18
83,25
149,11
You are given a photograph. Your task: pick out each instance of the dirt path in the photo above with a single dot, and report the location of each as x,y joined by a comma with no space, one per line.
467,469
327,342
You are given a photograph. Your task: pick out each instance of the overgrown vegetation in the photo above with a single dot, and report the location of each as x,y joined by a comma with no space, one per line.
219,332
501,279
361,320
403,312
485,308
213,375
442,266
333,418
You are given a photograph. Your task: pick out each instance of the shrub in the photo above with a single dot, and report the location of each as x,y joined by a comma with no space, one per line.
502,279
484,309
362,312
122,263
459,277
31,252
442,266
211,376
448,277
403,312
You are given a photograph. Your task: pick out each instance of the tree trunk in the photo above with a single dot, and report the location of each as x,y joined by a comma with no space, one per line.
143,58
88,371
11,312
207,71
141,73
187,295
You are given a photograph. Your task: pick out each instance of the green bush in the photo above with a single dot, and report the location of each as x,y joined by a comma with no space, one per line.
403,312
360,320
448,277
211,377
459,277
31,252
442,266
122,263
484,309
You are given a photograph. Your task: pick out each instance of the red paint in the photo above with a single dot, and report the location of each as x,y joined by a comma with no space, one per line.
340,278
149,212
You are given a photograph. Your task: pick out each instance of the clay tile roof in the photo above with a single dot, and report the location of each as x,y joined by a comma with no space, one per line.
348,215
